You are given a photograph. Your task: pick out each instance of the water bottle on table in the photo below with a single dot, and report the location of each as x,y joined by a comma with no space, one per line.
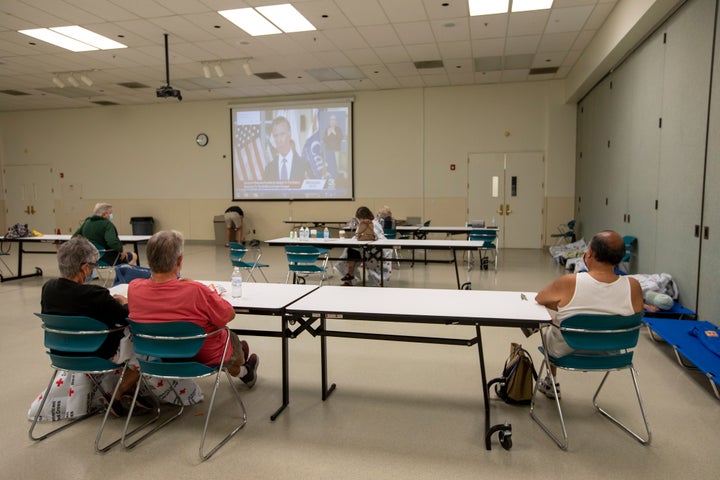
326,233
236,282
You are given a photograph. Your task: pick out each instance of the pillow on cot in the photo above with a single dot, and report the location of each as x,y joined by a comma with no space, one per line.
660,300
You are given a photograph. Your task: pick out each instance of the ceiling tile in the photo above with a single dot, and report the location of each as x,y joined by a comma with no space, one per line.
489,26
377,40
519,45
414,33
528,23
379,35
401,11
568,19
367,12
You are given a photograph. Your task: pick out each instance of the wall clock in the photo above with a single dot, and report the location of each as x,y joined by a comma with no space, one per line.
202,139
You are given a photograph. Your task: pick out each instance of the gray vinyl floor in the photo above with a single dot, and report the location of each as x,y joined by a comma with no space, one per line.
401,410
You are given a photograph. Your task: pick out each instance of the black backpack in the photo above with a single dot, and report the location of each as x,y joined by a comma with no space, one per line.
516,384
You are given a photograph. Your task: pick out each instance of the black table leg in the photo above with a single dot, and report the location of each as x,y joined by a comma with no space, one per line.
38,272
323,362
504,430
285,370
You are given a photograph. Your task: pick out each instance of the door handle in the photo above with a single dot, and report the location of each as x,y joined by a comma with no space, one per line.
27,209
508,211
500,210
32,210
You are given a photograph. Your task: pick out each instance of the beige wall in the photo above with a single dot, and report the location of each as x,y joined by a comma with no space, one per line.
144,160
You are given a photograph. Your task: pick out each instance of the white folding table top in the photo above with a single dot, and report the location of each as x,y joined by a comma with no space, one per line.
255,296
484,306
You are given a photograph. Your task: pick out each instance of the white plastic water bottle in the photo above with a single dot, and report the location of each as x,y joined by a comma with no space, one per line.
236,282
326,233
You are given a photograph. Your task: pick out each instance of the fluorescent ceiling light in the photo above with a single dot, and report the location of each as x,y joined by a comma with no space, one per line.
73,38
73,81
527,5
59,83
86,36
487,7
250,21
286,17
206,71
86,80
247,69
219,70
58,40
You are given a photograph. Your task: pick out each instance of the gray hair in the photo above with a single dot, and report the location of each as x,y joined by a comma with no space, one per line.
101,209
385,211
73,254
163,250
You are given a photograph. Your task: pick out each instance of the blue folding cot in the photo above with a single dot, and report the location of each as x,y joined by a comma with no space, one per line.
696,344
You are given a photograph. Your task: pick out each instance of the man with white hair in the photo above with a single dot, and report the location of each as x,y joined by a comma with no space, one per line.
100,230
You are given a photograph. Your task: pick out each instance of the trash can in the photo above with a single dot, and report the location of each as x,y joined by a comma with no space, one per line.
142,225
219,224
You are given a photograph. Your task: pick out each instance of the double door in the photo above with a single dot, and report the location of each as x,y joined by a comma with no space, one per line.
508,189
29,196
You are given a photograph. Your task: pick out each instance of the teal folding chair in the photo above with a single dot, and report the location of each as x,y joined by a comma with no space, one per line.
489,238
566,233
630,245
103,267
71,343
391,234
167,347
238,254
602,343
303,261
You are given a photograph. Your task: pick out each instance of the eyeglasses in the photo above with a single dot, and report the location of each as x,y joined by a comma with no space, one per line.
91,265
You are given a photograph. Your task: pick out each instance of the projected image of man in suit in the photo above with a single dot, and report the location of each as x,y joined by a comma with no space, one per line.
287,164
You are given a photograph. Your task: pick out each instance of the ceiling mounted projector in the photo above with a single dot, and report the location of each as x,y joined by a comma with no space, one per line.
166,90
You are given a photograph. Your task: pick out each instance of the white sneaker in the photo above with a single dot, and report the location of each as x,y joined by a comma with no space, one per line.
545,387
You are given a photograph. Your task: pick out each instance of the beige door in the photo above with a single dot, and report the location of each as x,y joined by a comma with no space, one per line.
29,196
508,188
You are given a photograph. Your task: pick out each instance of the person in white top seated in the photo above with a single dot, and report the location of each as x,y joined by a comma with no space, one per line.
598,291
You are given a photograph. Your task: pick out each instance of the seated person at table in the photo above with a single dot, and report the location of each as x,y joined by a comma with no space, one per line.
166,298
386,219
368,229
70,295
100,230
598,291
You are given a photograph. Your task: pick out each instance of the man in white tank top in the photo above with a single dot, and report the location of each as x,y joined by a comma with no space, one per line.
598,291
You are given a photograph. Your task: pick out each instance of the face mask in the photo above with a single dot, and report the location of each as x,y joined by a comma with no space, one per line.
89,278
110,217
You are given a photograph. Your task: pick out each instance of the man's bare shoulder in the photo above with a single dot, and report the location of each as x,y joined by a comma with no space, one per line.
566,281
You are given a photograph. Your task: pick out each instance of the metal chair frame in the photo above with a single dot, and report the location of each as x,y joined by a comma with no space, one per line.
302,261
77,334
565,232
603,343
177,341
488,236
391,234
104,266
238,252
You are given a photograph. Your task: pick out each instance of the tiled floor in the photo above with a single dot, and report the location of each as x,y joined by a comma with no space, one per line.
400,410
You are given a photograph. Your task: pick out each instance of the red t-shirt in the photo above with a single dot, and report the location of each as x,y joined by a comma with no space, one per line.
177,300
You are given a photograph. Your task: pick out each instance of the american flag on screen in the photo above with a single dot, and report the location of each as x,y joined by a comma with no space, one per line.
250,156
